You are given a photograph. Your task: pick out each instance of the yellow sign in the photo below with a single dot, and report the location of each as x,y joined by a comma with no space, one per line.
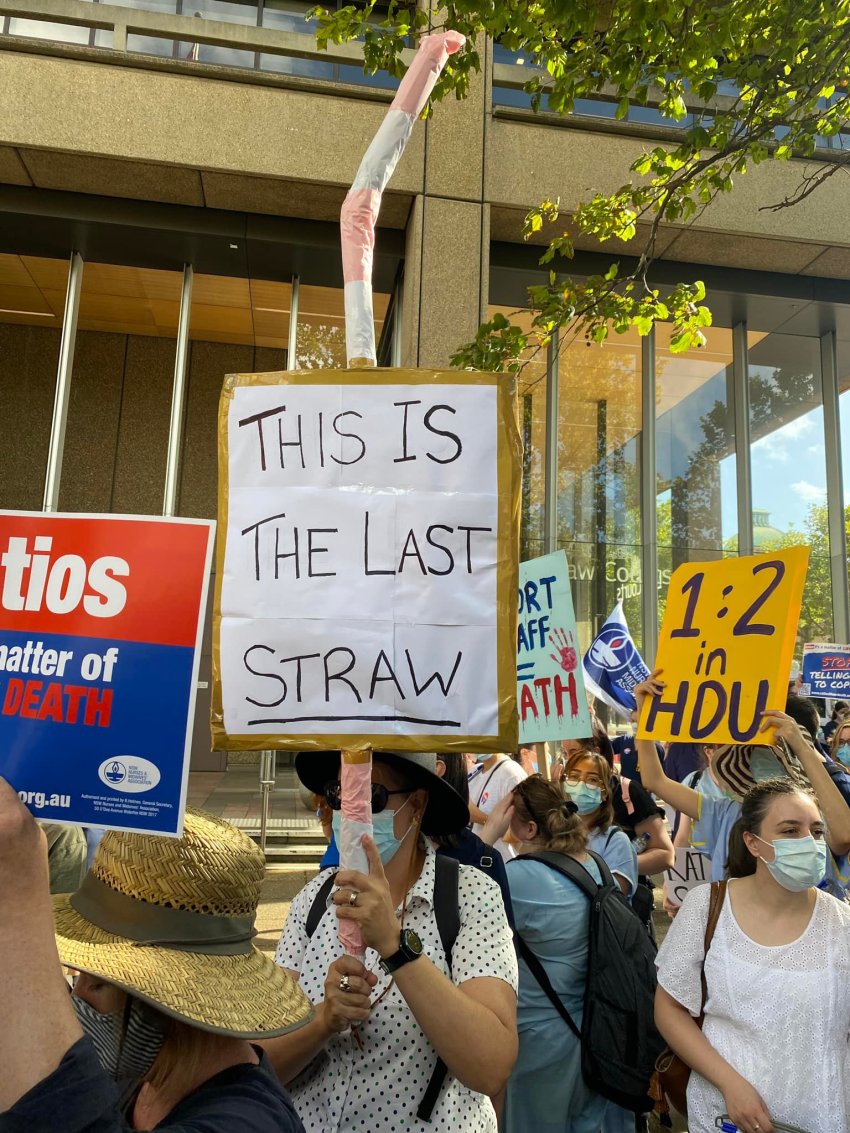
726,647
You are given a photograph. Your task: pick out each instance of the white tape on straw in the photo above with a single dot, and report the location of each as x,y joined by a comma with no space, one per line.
359,321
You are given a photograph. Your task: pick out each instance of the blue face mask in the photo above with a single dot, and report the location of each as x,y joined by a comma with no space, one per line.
843,754
383,832
765,765
587,799
481,757
799,863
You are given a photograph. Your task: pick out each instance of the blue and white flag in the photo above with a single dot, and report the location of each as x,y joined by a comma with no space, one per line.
613,666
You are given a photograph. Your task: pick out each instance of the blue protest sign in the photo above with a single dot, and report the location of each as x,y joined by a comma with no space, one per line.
100,623
613,666
550,690
826,670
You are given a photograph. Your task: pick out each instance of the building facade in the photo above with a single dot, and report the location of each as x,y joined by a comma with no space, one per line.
171,173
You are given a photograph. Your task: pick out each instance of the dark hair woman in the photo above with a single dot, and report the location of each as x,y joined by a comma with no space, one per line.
382,1020
777,1011
588,782
546,1092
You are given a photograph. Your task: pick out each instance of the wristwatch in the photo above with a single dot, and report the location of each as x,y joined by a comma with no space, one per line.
409,948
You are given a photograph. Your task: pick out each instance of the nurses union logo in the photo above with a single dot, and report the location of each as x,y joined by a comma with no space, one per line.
613,650
129,774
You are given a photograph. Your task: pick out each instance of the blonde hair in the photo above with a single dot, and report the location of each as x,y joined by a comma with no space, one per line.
604,817
184,1055
540,801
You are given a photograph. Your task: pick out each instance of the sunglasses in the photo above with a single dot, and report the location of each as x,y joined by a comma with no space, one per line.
380,795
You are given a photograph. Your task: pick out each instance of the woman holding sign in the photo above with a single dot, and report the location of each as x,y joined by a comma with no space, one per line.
714,817
367,1060
773,1045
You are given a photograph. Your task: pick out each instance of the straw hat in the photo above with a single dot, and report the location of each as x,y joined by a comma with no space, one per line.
445,813
731,765
171,921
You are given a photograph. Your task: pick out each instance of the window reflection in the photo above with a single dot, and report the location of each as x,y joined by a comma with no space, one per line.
531,418
696,488
789,464
599,523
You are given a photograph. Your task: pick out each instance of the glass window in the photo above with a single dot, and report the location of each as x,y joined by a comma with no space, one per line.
40,29
321,326
120,402
532,382
599,525
32,303
789,465
233,11
696,486
151,45
167,6
843,363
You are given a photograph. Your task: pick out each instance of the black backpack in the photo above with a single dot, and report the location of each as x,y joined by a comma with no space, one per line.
619,1041
447,914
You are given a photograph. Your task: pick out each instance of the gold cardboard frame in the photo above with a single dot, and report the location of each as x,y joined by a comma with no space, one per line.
509,479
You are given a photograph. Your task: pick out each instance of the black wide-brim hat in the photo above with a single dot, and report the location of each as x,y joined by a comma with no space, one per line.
445,812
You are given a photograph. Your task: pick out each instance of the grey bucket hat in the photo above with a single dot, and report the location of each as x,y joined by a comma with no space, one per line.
445,813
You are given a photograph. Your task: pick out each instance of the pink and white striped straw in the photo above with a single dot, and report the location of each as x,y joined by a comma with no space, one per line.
363,202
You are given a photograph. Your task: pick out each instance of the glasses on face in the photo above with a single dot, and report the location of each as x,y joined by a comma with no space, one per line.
588,777
380,795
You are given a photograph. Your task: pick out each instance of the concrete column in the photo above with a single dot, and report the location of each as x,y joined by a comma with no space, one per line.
447,260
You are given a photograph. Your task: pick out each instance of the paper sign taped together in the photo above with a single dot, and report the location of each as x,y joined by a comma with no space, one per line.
725,647
367,570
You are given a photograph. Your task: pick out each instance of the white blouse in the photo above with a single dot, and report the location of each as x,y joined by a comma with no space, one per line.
780,1015
379,1088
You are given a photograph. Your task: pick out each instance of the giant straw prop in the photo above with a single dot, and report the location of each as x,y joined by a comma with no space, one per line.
363,200
357,221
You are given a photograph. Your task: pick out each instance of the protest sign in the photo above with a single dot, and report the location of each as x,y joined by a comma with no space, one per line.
550,690
613,666
826,670
100,624
367,573
690,869
725,647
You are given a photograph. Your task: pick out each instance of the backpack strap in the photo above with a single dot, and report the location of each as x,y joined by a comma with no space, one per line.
539,972
715,906
575,871
319,906
447,913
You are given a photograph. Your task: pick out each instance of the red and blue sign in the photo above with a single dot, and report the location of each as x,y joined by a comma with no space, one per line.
100,627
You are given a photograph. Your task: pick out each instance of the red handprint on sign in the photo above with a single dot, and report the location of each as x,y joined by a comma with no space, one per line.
566,655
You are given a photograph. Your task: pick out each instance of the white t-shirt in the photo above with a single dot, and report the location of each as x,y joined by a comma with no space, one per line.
780,1015
378,1084
487,788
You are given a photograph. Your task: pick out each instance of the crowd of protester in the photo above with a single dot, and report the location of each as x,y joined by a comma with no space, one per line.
474,1007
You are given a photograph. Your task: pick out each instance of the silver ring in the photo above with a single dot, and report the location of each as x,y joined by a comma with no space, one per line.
352,898
344,983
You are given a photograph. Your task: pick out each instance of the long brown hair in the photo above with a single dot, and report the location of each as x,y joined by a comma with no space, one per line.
757,802
537,800
604,817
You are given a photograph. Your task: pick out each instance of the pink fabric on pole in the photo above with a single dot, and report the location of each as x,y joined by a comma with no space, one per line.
357,221
361,206
422,74
356,784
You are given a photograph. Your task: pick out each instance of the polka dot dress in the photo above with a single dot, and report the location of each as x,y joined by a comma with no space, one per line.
379,1088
